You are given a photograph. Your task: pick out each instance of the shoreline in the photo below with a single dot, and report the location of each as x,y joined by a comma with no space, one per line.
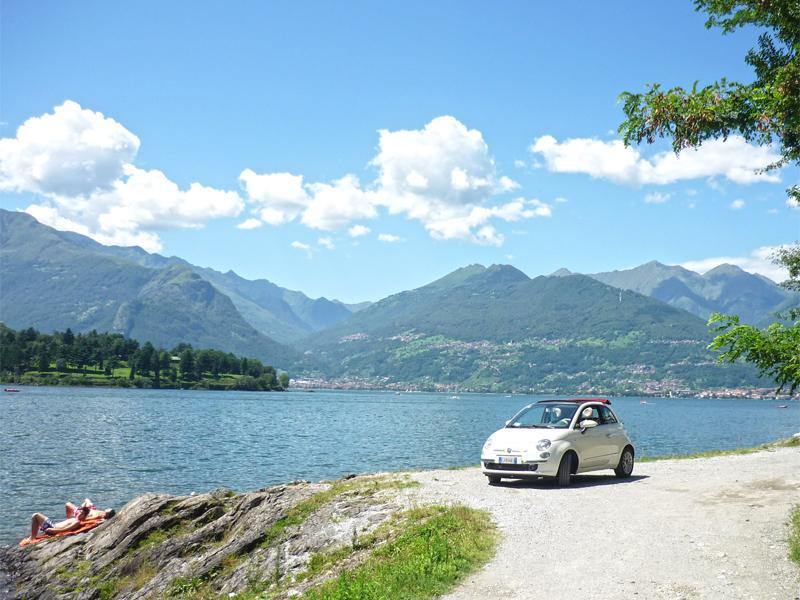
363,505
765,394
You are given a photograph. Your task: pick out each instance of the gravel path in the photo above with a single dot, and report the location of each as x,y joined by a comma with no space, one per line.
703,528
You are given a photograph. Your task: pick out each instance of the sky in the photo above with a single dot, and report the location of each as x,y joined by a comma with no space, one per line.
356,149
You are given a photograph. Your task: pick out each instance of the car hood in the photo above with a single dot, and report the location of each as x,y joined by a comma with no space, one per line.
523,439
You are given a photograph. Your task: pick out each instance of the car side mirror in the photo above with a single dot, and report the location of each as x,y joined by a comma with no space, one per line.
508,422
587,424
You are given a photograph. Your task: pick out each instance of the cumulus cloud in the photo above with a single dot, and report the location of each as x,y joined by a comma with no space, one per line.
71,152
441,175
80,163
249,224
278,197
389,238
758,261
358,230
656,198
737,204
734,159
301,246
326,242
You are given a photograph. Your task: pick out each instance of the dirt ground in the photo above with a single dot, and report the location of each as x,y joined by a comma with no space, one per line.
704,528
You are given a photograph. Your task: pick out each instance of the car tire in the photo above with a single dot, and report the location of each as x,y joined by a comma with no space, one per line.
625,466
493,479
564,476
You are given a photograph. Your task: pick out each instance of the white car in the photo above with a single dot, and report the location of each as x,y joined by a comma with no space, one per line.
559,438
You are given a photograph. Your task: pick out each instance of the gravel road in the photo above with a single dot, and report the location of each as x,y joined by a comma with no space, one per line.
704,528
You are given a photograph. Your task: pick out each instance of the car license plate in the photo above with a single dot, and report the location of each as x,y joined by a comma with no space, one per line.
508,460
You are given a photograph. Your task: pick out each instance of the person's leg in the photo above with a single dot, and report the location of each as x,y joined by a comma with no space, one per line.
69,508
36,522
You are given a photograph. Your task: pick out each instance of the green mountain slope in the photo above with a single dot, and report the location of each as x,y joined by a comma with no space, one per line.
52,280
279,313
726,288
496,329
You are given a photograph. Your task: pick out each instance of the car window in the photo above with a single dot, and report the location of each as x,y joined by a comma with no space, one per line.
589,412
607,416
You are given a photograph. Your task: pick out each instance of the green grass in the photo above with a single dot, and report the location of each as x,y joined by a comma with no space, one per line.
793,442
438,548
794,535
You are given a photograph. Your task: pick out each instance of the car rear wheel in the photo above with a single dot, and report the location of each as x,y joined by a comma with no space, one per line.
493,479
564,477
625,466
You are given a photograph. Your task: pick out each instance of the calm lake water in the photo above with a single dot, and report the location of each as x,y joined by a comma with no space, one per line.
59,444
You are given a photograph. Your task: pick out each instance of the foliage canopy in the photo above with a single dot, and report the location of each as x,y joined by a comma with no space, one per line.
764,111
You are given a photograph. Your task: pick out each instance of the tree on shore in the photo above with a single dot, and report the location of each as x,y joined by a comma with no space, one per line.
765,111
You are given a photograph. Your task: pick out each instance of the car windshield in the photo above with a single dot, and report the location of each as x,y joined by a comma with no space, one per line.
548,416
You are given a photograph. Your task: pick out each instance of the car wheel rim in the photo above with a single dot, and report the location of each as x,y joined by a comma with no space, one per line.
627,462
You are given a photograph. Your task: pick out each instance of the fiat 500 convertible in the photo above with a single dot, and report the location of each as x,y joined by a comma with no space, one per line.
559,438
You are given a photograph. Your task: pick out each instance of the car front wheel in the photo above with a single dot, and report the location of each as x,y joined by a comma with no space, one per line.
493,479
564,476
625,466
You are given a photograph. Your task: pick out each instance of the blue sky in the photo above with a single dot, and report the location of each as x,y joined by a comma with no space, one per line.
156,97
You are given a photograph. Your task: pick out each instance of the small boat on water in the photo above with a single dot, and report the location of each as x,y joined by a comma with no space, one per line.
782,406
10,390
642,401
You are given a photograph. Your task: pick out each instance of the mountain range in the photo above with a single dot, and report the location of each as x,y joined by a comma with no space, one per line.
725,289
478,328
52,280
497,329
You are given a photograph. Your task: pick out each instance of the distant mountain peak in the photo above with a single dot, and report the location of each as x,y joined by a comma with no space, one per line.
562,272
724,269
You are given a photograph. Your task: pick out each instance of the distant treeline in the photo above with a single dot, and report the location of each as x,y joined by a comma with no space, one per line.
66,358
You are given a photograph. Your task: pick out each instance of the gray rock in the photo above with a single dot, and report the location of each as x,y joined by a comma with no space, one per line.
225,542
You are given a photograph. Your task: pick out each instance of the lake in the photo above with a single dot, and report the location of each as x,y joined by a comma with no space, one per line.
59,443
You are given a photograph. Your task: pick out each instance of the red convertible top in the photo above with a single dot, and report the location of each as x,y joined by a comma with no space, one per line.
580,400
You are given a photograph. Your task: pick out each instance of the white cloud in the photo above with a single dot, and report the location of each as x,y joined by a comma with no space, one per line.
80,163
737,204
561,200
506,184
278,197
758,261
326,242
301,246
249,224
793,203
656,198
69,152
336,204
734,159
520,164
441,175
358,230
388,238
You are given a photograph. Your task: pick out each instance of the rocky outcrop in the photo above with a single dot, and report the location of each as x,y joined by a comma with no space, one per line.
209,544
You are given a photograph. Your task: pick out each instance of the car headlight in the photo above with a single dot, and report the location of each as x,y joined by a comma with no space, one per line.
542,444
487,444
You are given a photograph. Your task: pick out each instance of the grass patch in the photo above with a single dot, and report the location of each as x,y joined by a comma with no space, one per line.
424,561
298,514
78,570
113,588
792,442
794,535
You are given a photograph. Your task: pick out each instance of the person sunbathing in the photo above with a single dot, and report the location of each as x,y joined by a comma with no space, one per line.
42,525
